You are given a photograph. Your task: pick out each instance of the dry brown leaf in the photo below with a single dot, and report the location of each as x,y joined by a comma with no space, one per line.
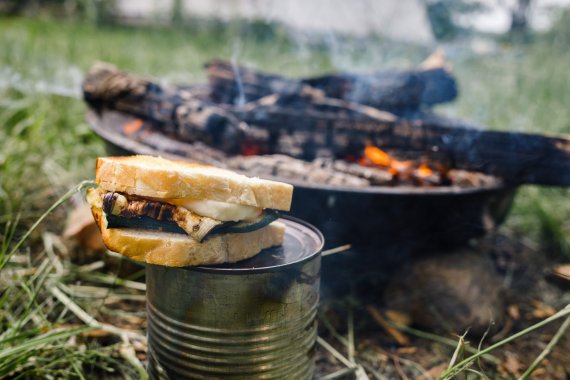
400,338
399,317
81,228
407,350
514,312
433,373
542,310
97,333
511,364
562,271
538,373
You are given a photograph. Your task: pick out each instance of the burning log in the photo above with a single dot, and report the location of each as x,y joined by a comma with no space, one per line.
396,91
175,111
308,125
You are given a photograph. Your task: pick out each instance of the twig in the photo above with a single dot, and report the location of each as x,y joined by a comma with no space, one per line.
84,291
399,368
350,335
114,281
335,353
561,331
466,362
339,373
325,321
332,251
123,297
128,353
394,333
374,373
48,240
91,267
360,373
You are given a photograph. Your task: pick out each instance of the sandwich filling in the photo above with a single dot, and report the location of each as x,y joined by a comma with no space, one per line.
196,218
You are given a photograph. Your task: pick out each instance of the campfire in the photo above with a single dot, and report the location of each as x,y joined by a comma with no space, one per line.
354,146
341,130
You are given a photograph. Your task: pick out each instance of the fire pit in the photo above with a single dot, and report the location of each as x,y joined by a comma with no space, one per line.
407,217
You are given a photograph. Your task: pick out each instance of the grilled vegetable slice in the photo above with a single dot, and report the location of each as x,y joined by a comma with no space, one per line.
263,220
133,207
129,211
143,222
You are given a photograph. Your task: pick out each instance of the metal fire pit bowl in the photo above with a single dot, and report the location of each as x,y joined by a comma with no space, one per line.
375,219
255,319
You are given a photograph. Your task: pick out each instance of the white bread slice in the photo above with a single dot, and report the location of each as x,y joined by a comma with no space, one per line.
180,250
160,178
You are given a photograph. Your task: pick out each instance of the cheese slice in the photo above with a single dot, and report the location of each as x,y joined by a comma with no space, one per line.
225,212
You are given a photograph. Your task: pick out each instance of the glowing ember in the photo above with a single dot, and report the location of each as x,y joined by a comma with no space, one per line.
377,156
249,149
424,171
132,126
403,170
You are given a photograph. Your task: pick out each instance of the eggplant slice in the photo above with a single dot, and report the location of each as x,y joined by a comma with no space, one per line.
128,211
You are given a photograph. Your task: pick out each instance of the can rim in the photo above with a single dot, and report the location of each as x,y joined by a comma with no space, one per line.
289,221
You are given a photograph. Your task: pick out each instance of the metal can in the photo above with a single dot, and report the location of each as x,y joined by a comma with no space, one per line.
254,319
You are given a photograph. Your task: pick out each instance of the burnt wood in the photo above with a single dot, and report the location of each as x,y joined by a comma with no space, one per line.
306,124
399,92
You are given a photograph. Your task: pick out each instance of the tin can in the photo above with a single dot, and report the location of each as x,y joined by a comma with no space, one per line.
254,319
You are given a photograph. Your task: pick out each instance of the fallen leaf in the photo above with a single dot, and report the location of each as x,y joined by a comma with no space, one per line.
514,312
81,227
400,338
97,333
432,373
399,317
562,271
511,364
407,350
542,310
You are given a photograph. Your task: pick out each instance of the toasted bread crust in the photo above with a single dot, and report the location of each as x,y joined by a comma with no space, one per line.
159,178
179,250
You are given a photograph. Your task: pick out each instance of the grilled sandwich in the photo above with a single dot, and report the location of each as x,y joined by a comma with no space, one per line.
179,214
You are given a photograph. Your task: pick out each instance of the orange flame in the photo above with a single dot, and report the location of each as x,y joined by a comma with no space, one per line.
424,171
374,156
377,156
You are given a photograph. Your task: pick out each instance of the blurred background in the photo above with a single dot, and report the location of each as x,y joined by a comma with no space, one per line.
510,57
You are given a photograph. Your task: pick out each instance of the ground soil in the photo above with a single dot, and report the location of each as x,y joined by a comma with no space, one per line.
528,293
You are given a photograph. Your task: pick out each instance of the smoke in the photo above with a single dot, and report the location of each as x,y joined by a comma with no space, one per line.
236,48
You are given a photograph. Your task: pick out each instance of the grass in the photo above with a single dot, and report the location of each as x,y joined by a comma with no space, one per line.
524,88
46,148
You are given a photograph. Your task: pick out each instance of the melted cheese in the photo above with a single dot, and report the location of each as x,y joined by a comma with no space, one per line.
226,212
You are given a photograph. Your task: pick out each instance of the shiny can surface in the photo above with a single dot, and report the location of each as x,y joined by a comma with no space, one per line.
255,319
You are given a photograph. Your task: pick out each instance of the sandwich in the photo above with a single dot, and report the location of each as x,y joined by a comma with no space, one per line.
177,213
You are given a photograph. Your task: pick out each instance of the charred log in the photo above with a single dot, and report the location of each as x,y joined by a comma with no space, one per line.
175,111
395,91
